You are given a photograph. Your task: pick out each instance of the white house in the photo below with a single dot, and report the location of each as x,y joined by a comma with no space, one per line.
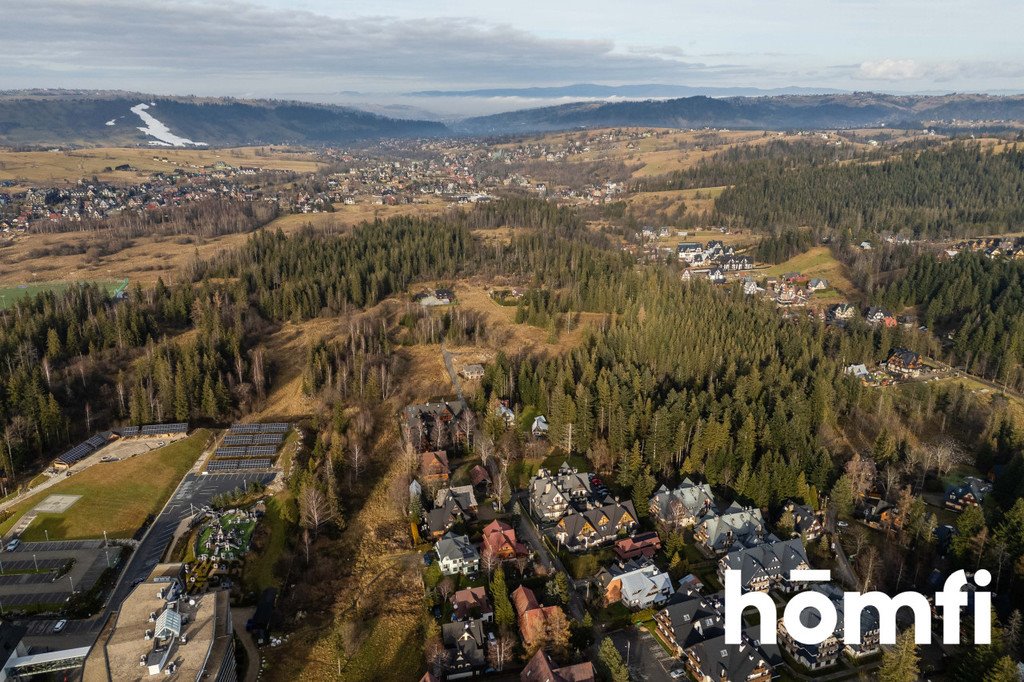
456,554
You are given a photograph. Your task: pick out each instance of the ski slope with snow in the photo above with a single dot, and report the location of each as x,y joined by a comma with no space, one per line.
156,128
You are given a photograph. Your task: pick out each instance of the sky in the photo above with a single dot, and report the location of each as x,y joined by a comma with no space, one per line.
340,50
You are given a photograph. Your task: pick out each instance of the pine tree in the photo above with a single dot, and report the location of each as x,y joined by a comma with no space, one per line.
900,664
504,615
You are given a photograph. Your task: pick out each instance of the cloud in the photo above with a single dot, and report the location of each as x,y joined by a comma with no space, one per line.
890,70
241,47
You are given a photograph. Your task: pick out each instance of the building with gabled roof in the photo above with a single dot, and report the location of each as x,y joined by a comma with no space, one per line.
684,506
466,645
766,566
736,527
542,669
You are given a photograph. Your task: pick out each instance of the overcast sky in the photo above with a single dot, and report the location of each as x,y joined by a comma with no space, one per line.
278,47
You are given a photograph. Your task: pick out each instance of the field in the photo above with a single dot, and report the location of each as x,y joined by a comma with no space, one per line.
816,262
146,259
66,167
117,496
10,294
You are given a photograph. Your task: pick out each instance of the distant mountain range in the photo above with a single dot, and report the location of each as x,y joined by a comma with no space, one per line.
844,110
629,91
48,117
88,117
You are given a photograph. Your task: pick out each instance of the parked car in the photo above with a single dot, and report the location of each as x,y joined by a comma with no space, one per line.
677,674
842,524
13,544
60,625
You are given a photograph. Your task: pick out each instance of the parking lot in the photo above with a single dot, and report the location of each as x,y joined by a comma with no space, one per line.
33,572
195,491
648,660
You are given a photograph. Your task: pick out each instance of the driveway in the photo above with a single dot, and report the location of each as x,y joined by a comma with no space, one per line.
648,660
549,561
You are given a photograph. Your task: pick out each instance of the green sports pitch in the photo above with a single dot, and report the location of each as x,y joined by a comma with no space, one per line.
9,295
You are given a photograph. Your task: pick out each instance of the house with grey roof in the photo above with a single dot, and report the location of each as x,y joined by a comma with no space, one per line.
687,619
712,660
766,566
439,425
637,584
456,554
970,493
553,495
466,644
826,653
736,527
684,506
579,531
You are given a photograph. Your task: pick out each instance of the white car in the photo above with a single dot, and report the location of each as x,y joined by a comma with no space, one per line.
13,544
678,673
60,625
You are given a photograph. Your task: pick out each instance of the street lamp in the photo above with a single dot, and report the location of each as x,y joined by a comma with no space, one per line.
35,563
47,534
72,584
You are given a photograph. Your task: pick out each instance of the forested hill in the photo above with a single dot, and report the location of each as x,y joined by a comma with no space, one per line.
91,118
773,113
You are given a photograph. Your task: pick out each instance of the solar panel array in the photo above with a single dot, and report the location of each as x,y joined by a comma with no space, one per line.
229,452
250,451
236,439
259,428
268,439
77,453
129,431
238,464
153,429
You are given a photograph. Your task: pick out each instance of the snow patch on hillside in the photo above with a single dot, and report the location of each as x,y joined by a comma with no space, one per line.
155,128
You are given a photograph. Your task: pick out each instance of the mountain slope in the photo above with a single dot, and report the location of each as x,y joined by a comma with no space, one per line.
94,118
780,112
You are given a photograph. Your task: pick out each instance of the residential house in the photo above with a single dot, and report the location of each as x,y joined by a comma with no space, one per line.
542,669
472,604
687,619
716,275
684,506
551,495
438,425
713,660
540,427
689,251
817,284
859,371
439,520
737,263
456,554
880,316
637,584
644,545
750,287
807,522
480,479
904,362
970,493
826,653
436,297
842,312
466,645
499,539
434,467
736,527
579,531
878,513
472,371
462,496
533,618
766,566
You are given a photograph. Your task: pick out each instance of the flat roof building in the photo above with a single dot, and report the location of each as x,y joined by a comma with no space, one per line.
162,633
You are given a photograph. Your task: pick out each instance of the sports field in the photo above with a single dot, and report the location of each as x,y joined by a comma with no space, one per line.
115,497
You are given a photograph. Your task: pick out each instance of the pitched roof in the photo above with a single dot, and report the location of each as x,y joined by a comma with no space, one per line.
456,548
718,660
769,561
470,601
541,669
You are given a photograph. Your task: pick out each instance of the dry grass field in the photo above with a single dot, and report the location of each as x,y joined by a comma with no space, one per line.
817,262
148,258
66,167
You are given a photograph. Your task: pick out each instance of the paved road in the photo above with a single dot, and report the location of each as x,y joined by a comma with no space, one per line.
548,560
195,490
